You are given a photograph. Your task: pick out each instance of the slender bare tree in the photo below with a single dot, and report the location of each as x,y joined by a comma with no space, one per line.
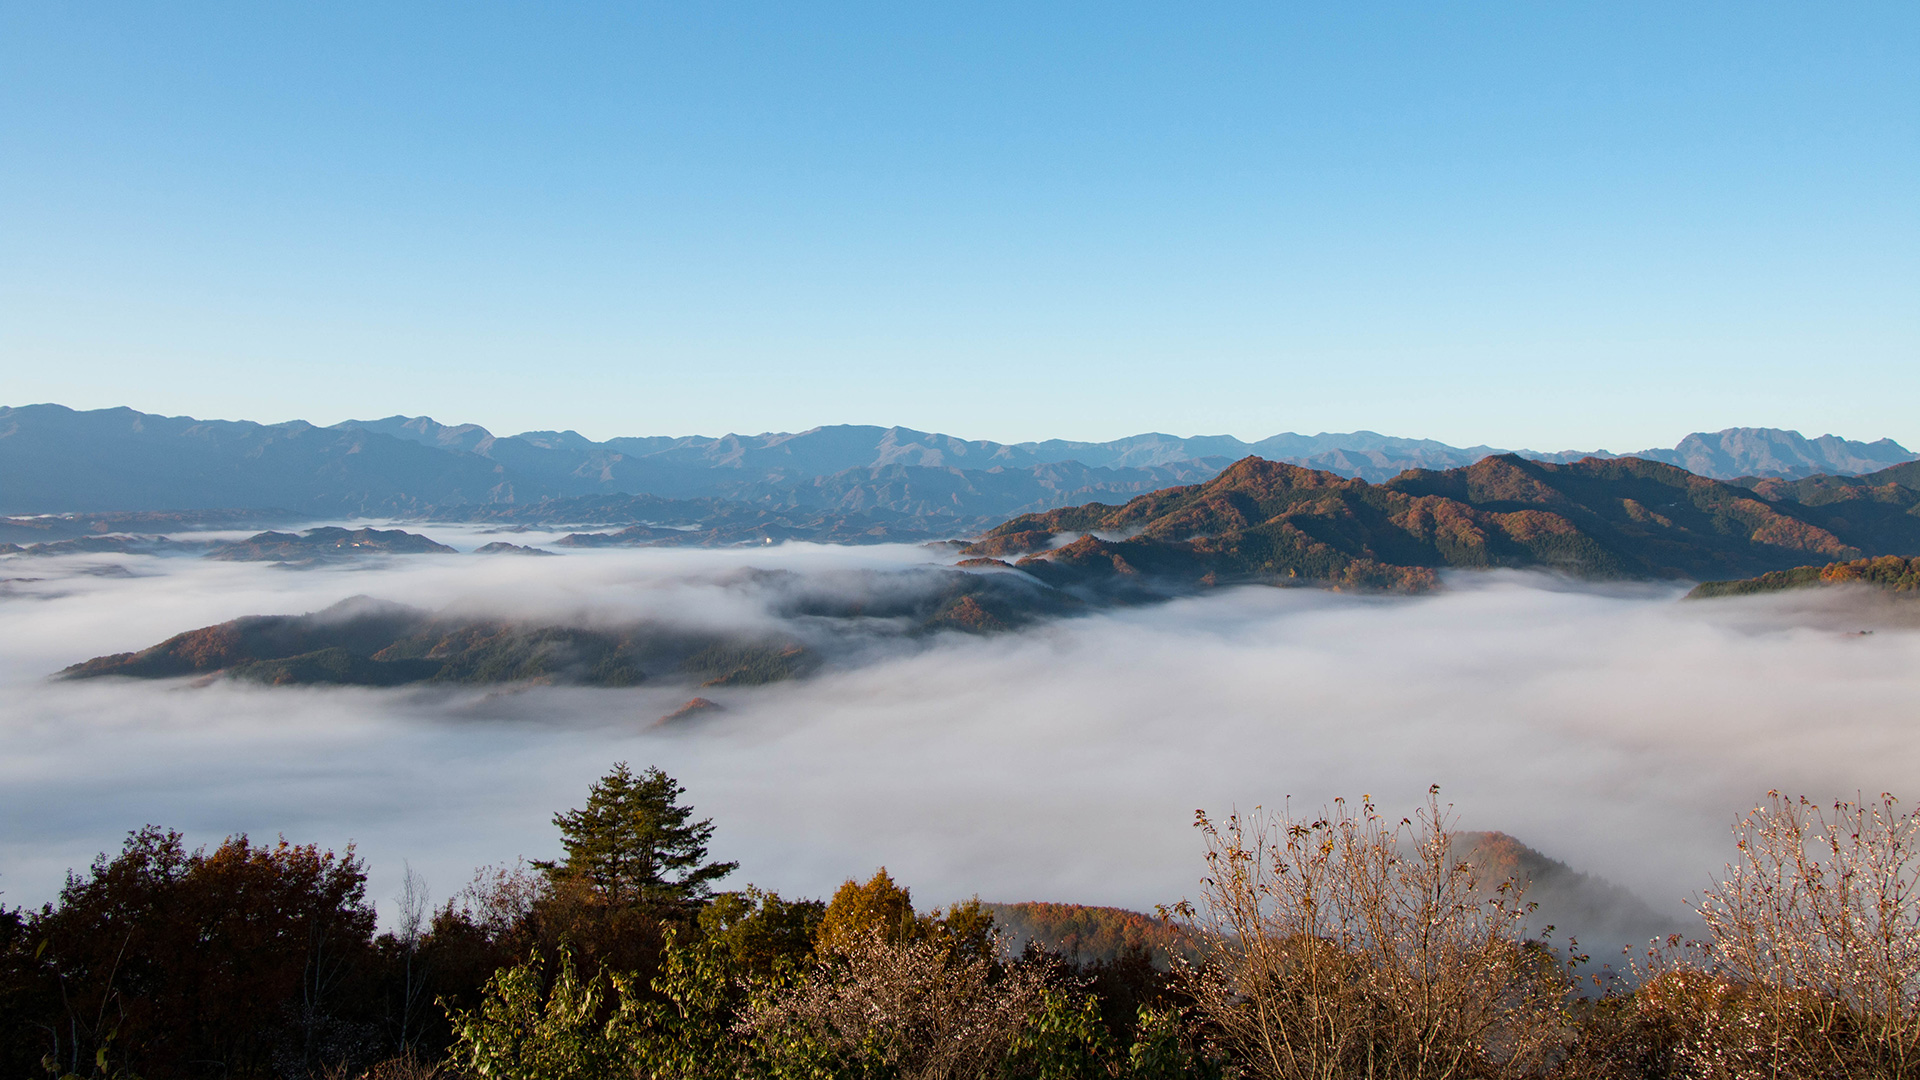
413,919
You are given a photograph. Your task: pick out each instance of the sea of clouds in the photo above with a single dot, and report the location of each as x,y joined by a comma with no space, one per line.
1618,728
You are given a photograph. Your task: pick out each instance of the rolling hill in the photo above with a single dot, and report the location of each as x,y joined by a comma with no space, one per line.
367,642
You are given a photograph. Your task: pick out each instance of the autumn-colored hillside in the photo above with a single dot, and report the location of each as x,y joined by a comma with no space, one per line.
1888,572
1084,934
1596,518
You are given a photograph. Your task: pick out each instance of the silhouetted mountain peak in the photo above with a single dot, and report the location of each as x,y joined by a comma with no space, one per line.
469,438
558,440
1775,452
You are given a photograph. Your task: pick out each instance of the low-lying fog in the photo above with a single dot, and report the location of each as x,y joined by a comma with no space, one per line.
1616,729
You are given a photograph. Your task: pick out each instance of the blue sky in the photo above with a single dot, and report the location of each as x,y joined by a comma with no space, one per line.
1549,225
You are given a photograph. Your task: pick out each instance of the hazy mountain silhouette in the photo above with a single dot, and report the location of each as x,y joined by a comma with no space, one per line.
1771,452
58,460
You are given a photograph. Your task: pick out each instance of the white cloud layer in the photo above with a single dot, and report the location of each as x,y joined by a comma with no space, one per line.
1616,729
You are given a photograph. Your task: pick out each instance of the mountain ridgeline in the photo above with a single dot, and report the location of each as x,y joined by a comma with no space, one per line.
325,544
1598,519
876,480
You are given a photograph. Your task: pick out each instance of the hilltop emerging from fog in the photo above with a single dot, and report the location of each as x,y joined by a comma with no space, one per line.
1598,519
1256,522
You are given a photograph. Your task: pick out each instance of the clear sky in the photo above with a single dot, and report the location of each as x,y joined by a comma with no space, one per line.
1549,225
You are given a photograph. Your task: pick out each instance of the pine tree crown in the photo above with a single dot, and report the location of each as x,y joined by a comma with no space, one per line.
635,843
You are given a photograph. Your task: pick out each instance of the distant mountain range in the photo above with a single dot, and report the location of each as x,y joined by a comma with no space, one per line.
58,460
314,546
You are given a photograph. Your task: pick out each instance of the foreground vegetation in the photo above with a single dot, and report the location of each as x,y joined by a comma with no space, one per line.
1341,944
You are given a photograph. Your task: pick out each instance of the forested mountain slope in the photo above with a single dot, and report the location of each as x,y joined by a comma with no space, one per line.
1597,518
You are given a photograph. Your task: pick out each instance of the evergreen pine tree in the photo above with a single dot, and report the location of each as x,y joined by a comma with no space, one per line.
634,844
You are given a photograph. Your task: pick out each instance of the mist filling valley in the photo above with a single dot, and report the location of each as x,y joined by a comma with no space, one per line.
1614,728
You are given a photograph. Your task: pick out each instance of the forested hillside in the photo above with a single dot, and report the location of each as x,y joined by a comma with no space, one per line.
1597,518
1887,573
367,642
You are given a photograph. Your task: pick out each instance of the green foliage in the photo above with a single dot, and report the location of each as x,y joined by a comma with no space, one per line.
1165,1048
967,929
735,664
761,933
524,1030
1065,1040
635,845
1773,581
686,1029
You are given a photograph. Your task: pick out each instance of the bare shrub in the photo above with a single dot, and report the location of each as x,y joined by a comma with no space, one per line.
1348,946
914,1009
499,899
1812,967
